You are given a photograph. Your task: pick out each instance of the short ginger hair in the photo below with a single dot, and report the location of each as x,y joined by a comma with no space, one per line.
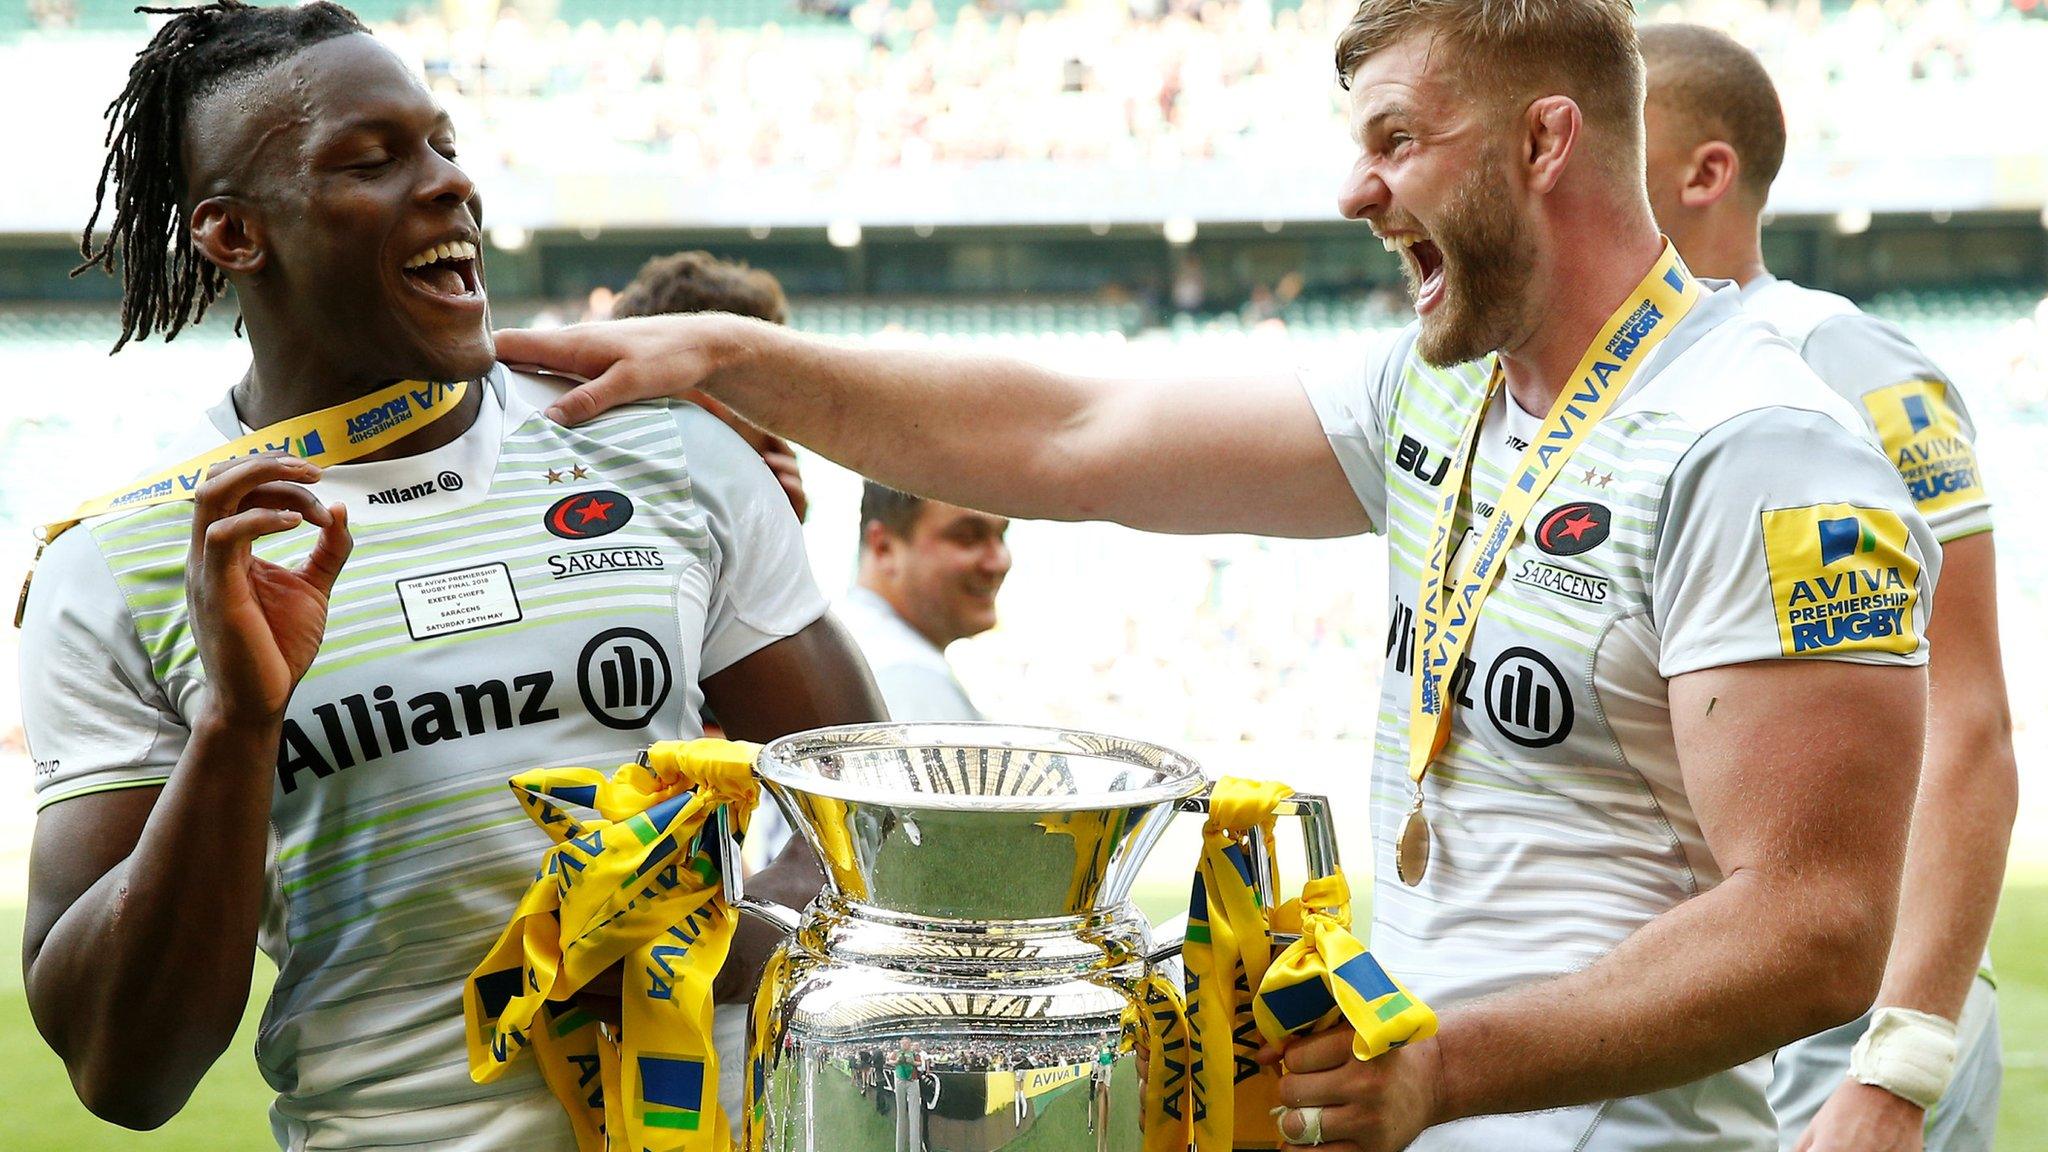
1520,50
1715,89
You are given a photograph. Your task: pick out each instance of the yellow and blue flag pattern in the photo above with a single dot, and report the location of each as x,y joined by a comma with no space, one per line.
633,886
1327,975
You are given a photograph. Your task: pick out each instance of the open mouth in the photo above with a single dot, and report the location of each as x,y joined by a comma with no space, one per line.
1425,264
447,271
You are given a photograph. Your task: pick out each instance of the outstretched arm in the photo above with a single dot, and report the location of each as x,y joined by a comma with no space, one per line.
1217,455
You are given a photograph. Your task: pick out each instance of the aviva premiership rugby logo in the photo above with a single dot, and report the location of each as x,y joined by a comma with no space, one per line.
1841,580
1924,437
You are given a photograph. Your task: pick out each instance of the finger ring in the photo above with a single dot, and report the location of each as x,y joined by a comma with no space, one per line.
1311,1125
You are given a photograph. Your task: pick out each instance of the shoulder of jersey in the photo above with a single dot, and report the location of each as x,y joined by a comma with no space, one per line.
535,389
1796,310
1740,365
539,390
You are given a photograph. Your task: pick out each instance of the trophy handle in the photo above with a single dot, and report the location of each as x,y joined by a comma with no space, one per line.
726,843
1319,852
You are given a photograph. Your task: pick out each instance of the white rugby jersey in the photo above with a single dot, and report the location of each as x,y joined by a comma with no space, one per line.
1728,509
1916,411
527,595
916,681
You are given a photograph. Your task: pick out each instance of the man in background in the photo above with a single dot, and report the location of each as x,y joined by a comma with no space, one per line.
929,572
1716,136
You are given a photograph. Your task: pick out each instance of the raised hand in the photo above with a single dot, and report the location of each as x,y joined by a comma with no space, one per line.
259,625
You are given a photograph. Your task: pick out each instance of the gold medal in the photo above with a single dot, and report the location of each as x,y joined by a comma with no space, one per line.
1411,850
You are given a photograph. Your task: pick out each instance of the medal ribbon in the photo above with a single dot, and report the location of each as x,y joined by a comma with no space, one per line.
1447,611
333,435
633,884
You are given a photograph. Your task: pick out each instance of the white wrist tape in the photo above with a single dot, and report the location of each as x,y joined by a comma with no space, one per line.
1908,1054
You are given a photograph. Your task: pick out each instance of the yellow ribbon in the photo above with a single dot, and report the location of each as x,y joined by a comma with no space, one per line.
1327,974
333,435
761,1033
636,884
1447,608
1228,948
1160,1021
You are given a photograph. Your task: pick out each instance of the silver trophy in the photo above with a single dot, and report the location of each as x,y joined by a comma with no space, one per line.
967,980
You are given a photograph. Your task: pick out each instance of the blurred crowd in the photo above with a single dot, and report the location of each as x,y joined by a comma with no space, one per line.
884,84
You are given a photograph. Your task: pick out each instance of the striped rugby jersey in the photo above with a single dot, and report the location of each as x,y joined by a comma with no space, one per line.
1913,407
1728,509
528,595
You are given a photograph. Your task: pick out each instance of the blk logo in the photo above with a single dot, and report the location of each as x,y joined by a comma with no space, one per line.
1527,700
586,515
1413,457
1579,526
624,676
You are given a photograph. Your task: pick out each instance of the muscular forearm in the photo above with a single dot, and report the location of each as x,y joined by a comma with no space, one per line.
979,431
1955,866
139,985
1164,455
1718,980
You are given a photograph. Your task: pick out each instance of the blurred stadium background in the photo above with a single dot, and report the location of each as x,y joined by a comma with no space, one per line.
1116,185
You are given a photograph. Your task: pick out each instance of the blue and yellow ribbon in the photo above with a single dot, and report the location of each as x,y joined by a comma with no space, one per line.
1322,977
635,886
1327,975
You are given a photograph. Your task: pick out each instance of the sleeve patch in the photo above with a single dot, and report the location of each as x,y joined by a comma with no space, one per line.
1841,580
1925,440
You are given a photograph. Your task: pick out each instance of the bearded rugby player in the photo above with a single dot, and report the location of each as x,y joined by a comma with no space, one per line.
1664,834
282,715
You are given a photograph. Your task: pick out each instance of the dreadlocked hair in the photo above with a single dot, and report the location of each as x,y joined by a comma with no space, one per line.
166,283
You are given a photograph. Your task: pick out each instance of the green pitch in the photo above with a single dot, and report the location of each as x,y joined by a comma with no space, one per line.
228,1112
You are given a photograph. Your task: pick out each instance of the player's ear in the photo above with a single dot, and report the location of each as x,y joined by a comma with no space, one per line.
1551,129
229,234
877,541
1710,175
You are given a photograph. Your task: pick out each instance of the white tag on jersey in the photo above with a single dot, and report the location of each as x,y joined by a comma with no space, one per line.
464,600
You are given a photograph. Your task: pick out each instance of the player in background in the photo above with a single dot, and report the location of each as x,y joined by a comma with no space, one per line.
1716,139
929,574
1667,821
251,735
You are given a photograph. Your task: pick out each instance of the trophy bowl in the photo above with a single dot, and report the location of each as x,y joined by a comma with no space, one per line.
967,980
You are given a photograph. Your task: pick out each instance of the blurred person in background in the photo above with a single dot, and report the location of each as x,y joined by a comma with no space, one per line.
1716,138
700,282
929,574
250,736
1666,835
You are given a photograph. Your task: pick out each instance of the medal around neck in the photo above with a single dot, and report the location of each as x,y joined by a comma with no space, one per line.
1411,850
332,435
1448,603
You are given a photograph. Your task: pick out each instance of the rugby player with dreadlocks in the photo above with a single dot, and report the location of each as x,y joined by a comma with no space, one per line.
282,715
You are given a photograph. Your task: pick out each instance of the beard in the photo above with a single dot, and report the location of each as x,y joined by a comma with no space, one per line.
1487,259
